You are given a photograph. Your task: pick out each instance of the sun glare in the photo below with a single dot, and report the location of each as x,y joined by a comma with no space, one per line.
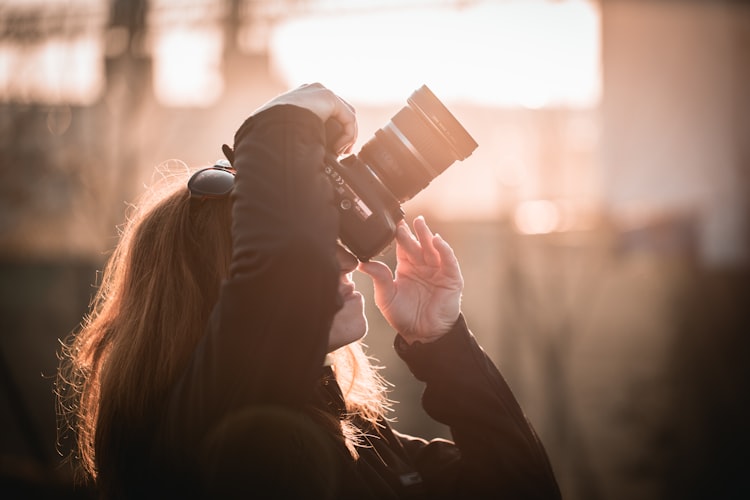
537,217
187,68
481,58
513,53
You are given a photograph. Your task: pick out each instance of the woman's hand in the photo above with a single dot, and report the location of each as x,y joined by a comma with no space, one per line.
327,105
423,300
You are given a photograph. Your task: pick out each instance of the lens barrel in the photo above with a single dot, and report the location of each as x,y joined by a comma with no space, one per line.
401,159
416,145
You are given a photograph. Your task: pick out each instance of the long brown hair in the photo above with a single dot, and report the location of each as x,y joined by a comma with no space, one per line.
150,310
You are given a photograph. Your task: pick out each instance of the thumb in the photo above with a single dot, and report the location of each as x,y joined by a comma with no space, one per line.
381,275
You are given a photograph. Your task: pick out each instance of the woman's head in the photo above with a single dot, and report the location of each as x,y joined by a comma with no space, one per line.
149,312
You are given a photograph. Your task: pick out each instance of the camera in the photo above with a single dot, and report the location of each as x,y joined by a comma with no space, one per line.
418,143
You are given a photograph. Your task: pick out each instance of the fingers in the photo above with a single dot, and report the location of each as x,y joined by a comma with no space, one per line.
420,246
378,271
345,114
407,242
447,257
427,241
382,280
325,104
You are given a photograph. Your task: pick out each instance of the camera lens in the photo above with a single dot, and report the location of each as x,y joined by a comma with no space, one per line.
419,143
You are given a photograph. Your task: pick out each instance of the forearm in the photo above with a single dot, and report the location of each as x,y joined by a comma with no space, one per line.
282,201
267,337
284,272
500,452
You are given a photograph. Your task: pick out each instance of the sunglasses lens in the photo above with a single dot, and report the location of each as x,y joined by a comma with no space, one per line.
211,183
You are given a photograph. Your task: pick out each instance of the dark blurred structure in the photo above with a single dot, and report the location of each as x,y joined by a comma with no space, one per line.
66,174
626,342
676,118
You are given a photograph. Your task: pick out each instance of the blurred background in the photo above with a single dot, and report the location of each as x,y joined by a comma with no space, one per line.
602,224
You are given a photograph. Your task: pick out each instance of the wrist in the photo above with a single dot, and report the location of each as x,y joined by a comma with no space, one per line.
444,348
432,335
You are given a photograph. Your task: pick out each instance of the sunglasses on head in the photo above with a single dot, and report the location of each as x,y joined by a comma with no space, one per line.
212,182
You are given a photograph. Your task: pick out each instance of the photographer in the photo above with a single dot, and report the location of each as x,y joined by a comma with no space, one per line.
222,358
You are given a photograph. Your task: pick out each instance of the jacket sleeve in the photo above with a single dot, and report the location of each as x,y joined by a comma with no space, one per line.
497,454
268,333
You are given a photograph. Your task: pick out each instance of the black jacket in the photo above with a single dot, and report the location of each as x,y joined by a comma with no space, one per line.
263,354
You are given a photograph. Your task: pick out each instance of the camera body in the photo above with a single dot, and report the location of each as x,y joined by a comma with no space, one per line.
368,212
400,160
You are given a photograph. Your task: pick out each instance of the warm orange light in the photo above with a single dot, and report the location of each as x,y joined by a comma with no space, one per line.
511,53
187,69
537,217
53,71
484,54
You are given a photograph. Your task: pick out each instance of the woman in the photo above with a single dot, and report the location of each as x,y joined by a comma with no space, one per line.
222,353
